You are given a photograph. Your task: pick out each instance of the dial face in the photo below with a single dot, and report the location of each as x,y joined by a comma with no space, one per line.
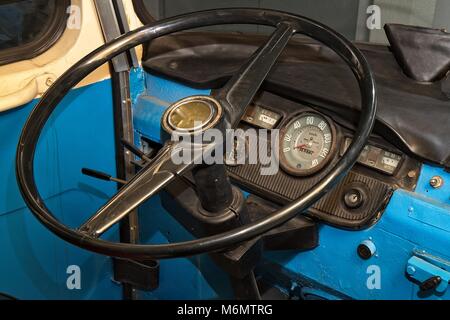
191,115
307,144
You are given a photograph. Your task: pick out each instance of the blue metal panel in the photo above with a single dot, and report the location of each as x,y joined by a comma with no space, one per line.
170,91
137,83
150,106
33,262
413,221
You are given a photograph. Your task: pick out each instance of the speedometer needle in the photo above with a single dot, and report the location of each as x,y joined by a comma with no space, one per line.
302,146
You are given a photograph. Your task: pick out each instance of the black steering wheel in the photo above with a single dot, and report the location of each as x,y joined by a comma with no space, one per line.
229,105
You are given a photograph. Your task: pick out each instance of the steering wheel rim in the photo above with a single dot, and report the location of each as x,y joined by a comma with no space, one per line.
40,114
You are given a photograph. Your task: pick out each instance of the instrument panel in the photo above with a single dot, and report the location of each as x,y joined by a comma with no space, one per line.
310,144
309,140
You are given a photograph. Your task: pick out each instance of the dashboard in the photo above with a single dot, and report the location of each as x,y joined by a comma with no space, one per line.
310,100
311,142
309,97
310,72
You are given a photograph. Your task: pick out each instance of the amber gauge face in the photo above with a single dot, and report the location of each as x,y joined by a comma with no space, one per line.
191,115
307,144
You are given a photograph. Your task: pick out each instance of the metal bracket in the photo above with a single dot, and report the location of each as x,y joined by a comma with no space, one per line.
143,275
430,268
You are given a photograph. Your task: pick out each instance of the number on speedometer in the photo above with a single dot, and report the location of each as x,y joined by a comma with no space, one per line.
307,144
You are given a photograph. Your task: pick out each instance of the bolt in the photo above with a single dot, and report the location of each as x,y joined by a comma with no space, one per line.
412,174
49,82
436,182
411,270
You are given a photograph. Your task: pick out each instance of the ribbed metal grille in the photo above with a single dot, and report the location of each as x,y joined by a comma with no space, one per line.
288,187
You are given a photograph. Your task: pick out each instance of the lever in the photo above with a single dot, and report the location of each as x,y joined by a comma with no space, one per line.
101,175
430,284
132,148
138,164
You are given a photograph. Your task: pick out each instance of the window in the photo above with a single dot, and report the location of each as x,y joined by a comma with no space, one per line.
30,27
360,20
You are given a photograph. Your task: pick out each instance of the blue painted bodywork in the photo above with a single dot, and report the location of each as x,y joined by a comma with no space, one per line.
149,107
33,262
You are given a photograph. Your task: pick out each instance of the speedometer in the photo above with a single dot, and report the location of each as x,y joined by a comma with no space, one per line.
307,144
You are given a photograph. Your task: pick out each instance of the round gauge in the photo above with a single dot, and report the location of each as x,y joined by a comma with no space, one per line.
307,144
192,115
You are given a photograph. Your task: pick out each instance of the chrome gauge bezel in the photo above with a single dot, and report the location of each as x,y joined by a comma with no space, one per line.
216,113
333,147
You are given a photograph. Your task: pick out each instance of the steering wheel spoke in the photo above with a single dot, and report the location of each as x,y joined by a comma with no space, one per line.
241,89
153,177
